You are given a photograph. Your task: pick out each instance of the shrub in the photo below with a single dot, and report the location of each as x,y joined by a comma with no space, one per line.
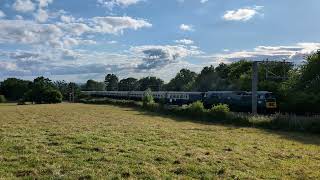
220,111
2,99
147,98
196,108
52,96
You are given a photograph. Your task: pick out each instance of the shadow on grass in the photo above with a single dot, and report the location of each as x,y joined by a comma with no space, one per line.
302,137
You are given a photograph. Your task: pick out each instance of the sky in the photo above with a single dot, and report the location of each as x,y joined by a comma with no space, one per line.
77,40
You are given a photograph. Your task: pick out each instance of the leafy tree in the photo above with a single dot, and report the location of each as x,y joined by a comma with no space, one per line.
209,80
52,96
301,92
183,81
128,84
43,91
75,89
67,89
152,83
310,73
62,86
239,68
223,70
13,89
92,85
111,81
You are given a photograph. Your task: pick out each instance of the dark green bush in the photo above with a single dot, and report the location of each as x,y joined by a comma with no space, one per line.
2,99
52,96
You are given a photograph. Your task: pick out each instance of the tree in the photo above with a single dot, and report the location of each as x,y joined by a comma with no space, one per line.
52,96
183,81
152,83
310,73
209,80
128,84
43,91
301,92
92,85
62,86
223,70
13,89
111,81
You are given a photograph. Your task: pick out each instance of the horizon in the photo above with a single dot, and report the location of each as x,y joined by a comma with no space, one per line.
138,38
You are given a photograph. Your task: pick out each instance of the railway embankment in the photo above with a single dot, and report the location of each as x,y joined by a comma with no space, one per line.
220,114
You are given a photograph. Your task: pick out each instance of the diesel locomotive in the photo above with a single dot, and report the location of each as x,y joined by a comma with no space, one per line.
239,101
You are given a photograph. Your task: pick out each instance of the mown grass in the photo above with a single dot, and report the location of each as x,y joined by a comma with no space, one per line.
78,141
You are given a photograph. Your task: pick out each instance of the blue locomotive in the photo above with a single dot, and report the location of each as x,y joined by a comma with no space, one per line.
237,100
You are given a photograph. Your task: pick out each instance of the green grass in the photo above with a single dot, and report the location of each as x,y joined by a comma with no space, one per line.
78,141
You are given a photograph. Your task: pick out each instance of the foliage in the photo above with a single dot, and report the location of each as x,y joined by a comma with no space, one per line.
220,111
310,73
52,96
196,108
128,84
2,99
301,92
111,81
43,91
152,83
92,85
13,89
183,81
147,98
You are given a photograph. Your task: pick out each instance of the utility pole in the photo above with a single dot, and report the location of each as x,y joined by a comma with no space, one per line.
255,88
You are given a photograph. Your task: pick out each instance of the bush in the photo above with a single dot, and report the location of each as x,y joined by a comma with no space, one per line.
52,96
2,99
220,111
147,98
196,108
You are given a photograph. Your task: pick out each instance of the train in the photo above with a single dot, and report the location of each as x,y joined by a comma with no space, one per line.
238,101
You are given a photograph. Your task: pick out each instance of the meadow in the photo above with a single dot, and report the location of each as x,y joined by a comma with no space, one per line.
81,141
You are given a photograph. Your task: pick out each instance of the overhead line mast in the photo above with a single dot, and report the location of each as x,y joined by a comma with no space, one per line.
255,80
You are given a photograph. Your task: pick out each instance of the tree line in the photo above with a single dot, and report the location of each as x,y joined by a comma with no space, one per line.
296,88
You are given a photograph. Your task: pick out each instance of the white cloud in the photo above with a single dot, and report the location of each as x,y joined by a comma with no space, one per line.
243,14
115,25
203,1
186,27
67,19
24,6
184,41
18,17
29,32
44,3
154,57
41,15
295,53
122,3
2,14
112,42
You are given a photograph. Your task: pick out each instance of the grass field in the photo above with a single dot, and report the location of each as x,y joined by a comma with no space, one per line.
77,141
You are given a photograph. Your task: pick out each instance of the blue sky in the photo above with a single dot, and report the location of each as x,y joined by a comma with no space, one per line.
80,40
